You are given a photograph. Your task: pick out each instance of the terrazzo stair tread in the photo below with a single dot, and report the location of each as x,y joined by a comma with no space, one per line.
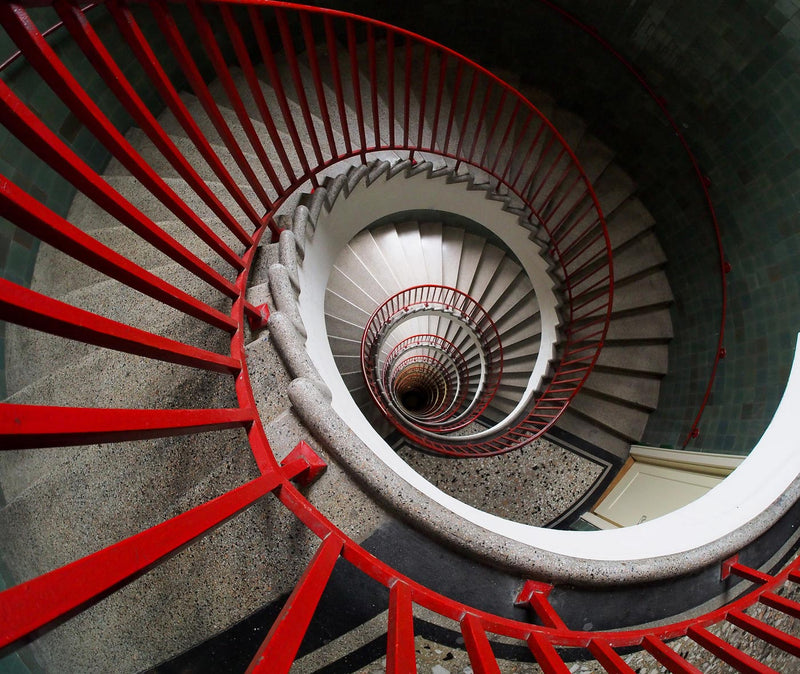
514,354
500,407
341,284
382,80
415,270
347,363
431,238
254,113
342,328
336,305
523,362
266,255
645,292
127,381
471,253
586,430
613,188
347,90
494,275
153,157
59,528
388,242
509,288
640,392
546,105
645,359
515,381
629,219
621,420
358,272
520,331
651,290
571,128
431,241
311,93
637,256
175,130
117,302
651,325
520,301
372,259
594,157
57,273
342,346
473,134
452,245
353,380
89,217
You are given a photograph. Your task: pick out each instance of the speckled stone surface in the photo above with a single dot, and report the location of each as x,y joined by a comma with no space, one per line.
532,485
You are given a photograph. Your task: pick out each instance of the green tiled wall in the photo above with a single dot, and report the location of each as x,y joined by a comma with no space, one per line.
730,72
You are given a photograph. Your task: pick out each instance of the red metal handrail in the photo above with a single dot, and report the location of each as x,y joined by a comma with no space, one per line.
38,602
448,302
460,379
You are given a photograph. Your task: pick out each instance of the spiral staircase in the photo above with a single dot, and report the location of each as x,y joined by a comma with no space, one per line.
194,400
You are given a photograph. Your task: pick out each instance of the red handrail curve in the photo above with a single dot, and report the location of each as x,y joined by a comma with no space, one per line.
444,346
450,302
37,602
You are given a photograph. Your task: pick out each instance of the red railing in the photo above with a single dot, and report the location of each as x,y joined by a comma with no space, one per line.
448,366
462,310
540,172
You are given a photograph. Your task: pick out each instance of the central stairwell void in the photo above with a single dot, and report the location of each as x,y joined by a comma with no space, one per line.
277,249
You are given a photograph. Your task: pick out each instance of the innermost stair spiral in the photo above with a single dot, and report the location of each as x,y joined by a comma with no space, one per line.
450,320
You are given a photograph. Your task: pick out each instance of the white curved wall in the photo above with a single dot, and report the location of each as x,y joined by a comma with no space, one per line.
754,486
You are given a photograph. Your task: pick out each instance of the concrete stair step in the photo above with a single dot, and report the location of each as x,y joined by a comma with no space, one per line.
638,391
121,303
642,359
626,422
342,308
488,275
340,283
628,220
639,255
588,431
650,325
